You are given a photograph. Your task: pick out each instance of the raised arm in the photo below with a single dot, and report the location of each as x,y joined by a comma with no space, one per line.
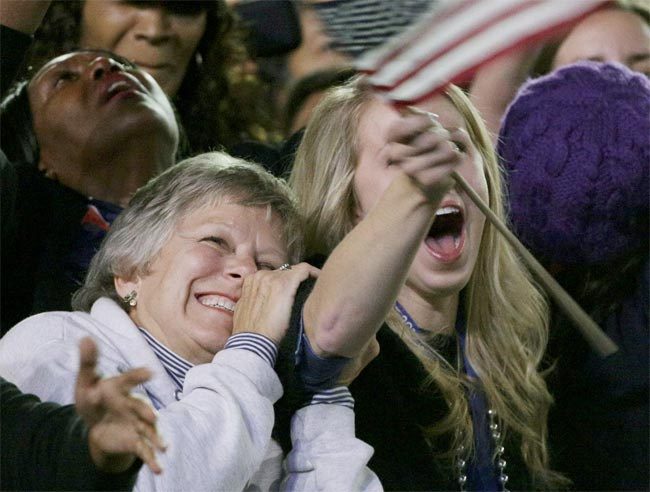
362,277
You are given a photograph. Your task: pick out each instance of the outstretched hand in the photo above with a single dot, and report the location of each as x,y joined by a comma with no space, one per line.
122,426
266,301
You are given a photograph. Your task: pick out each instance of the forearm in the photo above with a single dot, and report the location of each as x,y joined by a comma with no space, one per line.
362,277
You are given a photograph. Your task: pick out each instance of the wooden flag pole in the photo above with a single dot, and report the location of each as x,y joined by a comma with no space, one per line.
589,329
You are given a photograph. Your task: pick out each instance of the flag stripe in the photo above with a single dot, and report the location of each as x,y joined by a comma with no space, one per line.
443,39
512,32
456,38
442,10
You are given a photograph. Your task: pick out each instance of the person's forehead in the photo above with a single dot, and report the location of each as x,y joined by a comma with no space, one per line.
79,56
63,60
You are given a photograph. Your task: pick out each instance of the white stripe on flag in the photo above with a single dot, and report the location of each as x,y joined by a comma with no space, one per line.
373,59
446,51
436,37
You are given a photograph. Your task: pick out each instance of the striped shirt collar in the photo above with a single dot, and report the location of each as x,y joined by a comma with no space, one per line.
174,364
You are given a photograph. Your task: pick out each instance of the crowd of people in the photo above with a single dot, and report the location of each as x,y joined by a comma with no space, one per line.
226,258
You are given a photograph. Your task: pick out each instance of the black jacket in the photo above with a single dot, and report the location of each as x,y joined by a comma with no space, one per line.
45,447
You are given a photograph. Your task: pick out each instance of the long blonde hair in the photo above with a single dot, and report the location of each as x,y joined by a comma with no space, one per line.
507,316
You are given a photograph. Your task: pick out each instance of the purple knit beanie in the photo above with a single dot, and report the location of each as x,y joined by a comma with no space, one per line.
576,148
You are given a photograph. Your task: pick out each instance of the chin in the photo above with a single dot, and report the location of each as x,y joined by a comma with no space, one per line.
442,282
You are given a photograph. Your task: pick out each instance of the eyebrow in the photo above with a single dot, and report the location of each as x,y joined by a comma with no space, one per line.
637,57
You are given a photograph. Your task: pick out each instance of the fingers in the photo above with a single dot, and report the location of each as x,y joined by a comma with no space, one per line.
267,299
302,271
147,454
410,125
425,151
142,409
126,381
87,362
149,431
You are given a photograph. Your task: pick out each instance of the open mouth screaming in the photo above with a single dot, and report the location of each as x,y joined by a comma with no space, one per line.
446,237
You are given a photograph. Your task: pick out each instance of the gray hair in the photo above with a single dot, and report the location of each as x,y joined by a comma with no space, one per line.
144,227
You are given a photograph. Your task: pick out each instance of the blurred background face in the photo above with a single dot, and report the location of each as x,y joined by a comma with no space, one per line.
315,51
608,35
159,37
85,105
188,297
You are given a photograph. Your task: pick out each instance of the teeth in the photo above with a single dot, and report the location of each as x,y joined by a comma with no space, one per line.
218,302
447,210
117,85
456,241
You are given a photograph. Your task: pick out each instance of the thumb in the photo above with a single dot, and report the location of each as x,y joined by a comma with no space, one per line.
87,362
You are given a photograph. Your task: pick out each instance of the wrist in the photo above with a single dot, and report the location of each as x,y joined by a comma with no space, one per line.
108,462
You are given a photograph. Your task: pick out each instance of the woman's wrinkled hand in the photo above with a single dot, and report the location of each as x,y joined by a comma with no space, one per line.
267,298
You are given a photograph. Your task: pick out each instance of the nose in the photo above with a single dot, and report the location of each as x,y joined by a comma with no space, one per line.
239,267
102,65
153,25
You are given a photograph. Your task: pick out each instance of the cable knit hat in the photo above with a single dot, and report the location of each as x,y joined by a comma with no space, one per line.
576,148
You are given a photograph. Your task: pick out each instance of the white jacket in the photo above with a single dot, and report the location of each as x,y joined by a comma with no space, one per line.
218,431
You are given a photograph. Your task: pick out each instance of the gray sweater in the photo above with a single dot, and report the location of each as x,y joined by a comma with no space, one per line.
218,431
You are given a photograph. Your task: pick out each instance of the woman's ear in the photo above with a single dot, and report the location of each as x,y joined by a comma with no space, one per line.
126,287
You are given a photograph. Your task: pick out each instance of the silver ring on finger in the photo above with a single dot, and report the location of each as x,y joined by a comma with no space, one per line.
286,266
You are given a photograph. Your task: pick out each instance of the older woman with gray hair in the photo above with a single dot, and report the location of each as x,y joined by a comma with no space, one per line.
191,282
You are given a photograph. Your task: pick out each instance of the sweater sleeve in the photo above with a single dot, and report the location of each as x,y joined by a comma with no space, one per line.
326,455
45,447
295,394
218,431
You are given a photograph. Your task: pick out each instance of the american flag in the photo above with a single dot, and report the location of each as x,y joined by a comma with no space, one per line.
456,37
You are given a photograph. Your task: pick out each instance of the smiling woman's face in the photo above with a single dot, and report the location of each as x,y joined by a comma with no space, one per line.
160,40
187,298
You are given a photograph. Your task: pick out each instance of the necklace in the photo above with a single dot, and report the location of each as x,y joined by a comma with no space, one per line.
493,426
497,439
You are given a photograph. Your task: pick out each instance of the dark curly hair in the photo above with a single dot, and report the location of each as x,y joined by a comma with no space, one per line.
218,105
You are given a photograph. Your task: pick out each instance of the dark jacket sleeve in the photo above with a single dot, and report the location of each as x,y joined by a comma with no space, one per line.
14,46
45,447
294,395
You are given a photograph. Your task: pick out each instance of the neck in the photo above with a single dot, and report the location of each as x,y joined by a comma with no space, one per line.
435,315
117,177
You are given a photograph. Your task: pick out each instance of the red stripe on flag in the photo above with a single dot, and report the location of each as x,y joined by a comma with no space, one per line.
402,74
372,62
455,44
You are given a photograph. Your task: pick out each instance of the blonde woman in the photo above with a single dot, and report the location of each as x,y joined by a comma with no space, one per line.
454,400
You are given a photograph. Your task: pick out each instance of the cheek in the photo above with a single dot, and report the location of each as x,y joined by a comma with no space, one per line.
103,28
57,136
190,33
474,173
